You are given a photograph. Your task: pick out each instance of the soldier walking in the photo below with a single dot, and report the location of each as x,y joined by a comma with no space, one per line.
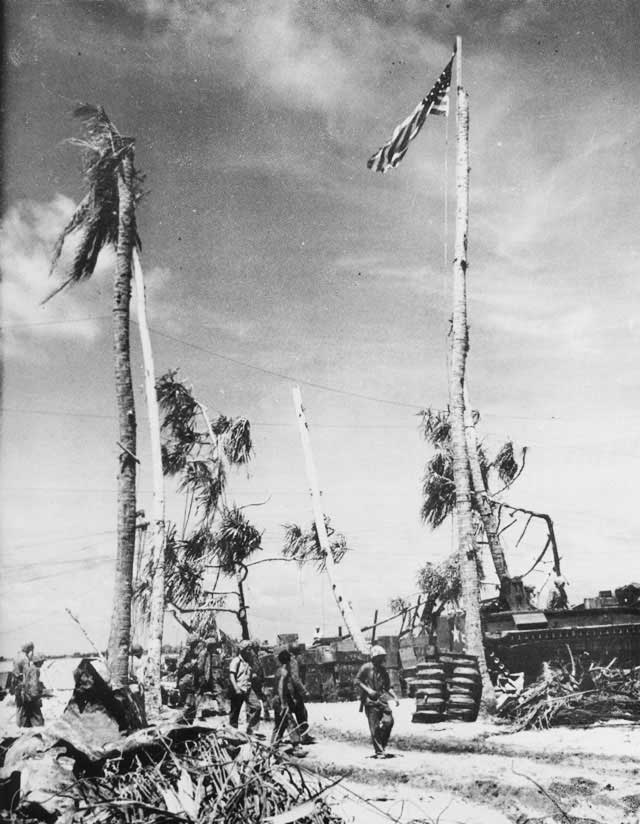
242,691
30,708
375,690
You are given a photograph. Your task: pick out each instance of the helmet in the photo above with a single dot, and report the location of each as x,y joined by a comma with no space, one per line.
284,656
244,645
378,652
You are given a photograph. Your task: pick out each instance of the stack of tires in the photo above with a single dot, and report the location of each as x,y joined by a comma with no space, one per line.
429,688
463,688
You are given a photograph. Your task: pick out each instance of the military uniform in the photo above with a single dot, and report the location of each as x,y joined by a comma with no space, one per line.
30,708
377,708
244,692
188,680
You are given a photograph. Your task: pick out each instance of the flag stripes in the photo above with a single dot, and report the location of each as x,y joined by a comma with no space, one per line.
435,103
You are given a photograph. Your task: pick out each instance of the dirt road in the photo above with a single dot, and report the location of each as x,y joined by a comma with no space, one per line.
481,772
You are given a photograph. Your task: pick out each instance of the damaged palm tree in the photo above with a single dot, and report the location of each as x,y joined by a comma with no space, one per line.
106,217
439,489
235,541
200,452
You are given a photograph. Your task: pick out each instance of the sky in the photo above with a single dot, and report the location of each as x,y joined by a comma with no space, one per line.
273,257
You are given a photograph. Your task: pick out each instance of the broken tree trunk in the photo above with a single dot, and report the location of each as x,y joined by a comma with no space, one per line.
153,697
353,627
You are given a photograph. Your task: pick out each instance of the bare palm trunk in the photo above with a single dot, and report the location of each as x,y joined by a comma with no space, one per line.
119,636
153,698
353,627
485,509
460,344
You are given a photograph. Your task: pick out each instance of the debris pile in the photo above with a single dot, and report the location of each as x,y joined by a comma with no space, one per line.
561,697
181,773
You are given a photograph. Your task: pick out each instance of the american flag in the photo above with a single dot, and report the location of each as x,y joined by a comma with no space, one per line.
436,102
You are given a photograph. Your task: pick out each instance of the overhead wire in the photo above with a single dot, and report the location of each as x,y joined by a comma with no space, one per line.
21,324
282,375
68,413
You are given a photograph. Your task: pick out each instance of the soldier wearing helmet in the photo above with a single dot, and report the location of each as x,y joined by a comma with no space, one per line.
242,690
375,690
30,710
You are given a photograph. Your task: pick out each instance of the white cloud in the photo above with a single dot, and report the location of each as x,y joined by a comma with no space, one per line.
27,236
309,56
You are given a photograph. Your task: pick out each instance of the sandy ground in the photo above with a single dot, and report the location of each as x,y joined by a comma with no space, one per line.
452,773
480,772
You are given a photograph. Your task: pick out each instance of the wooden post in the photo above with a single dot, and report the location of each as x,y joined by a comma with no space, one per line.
375,626
404,618
153,698
353,627
414,618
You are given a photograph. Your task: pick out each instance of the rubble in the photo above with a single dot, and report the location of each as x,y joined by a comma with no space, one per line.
560,697
165,773
99,763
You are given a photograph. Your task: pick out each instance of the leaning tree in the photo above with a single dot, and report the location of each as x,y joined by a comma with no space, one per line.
439,489
234,542
441,499
106,216
200,451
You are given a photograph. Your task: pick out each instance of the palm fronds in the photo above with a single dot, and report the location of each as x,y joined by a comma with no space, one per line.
235,540
506,465
200,451
96,216
206,480
304,547
177,403
184,443
602,694
436,427
438,490
185,566
438,487
190,774
237,442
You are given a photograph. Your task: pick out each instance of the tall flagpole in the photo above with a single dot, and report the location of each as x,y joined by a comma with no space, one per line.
459,347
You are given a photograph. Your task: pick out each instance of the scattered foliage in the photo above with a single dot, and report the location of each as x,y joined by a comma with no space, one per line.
560,696
398,605
304,547
209,776
441,583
